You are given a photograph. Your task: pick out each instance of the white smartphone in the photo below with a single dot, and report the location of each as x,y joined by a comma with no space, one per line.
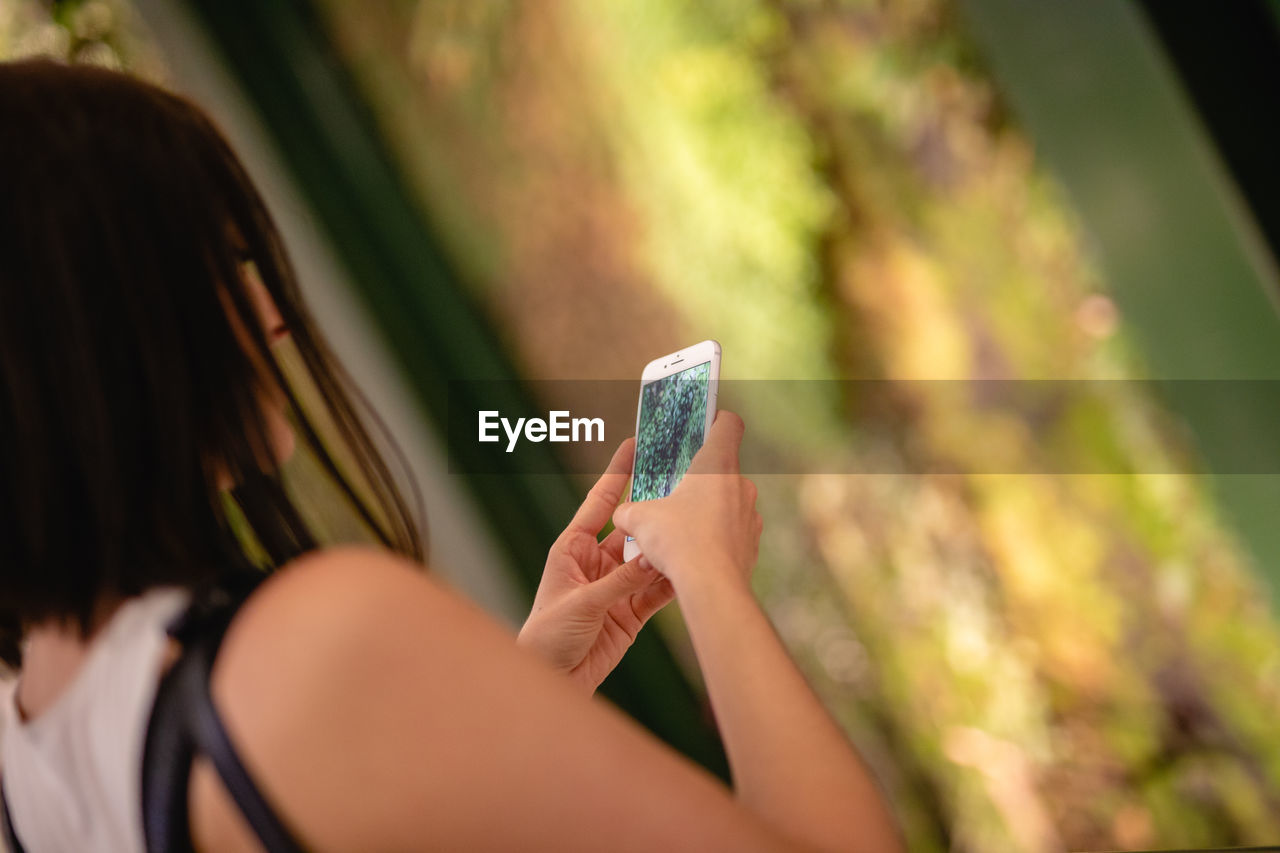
677,406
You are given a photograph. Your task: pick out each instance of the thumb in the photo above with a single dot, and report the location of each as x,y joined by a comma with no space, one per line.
625,580
627,516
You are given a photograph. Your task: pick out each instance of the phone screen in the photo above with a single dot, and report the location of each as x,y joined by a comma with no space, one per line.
673,420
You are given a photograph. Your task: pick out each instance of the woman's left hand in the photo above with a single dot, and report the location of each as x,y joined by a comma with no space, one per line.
590,605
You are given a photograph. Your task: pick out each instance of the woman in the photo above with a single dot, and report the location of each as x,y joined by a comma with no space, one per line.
360,704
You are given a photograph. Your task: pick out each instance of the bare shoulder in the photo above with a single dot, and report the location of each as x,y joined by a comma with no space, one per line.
377,709
312,661
338,625
322,620
348,588
327,615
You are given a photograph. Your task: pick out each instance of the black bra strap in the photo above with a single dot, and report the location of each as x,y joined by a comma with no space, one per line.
211,740
185,722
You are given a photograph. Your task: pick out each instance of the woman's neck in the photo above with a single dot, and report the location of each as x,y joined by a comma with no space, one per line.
52,654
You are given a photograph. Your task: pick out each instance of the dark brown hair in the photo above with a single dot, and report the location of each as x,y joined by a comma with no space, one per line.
125,224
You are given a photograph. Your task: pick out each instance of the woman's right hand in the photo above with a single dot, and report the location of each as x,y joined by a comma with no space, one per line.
707,529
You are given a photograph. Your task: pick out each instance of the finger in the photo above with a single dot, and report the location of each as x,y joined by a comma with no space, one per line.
628,516
719,453
627,579
652,598
604,495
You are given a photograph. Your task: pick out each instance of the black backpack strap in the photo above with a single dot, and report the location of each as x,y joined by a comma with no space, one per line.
184,723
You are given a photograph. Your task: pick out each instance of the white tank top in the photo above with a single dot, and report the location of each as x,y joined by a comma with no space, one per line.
73,775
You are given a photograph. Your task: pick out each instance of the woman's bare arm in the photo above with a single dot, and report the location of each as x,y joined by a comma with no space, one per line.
379,711
792,765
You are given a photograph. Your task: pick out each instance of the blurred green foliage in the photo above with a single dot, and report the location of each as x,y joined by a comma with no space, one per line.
96,32
835,189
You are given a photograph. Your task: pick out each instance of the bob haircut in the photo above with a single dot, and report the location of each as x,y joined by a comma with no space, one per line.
126,388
